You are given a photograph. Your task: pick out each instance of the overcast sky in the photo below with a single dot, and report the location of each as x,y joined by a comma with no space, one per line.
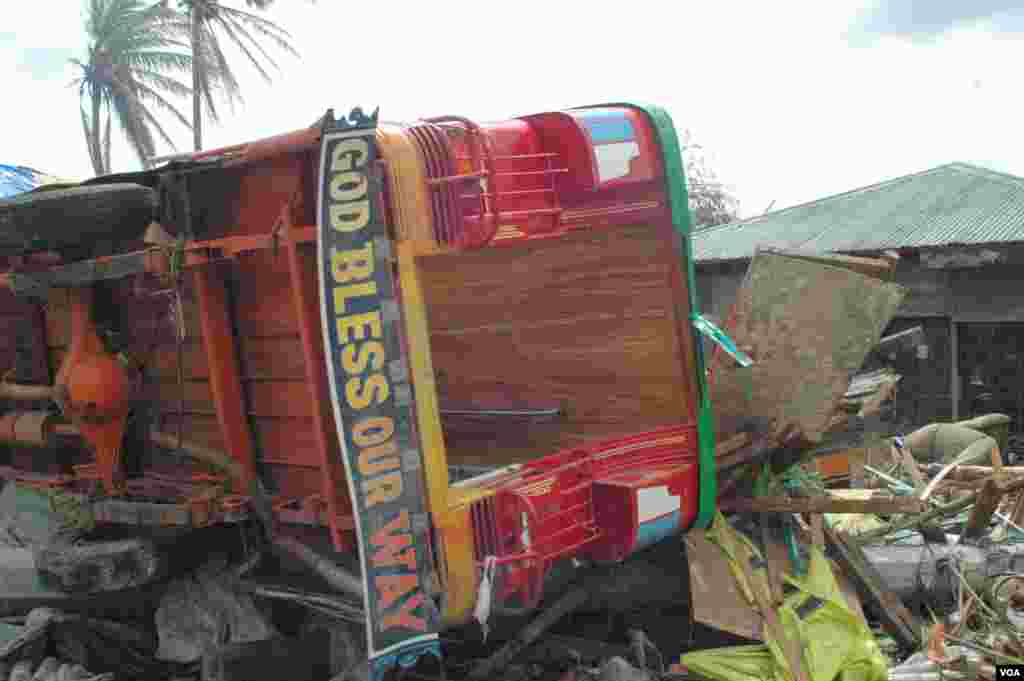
792,100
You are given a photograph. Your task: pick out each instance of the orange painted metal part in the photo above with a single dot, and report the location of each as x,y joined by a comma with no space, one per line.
261,150
304,290
222,357
95,391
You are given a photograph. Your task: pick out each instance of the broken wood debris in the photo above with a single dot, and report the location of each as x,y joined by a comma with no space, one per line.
942,511
824,504
897,620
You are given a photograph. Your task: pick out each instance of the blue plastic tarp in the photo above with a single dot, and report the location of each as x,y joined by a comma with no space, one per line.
18,179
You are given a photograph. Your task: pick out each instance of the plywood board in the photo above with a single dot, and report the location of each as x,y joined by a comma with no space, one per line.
808,327
719,602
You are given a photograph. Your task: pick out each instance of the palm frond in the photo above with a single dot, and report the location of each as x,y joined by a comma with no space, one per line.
207,91
246,31
268,29
133,123
155,124
160,61
133,45
147,94
240,44
173,87
217,75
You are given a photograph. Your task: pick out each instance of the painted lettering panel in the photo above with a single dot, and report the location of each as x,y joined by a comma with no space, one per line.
372,398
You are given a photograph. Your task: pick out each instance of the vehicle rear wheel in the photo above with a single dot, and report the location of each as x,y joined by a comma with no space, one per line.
73,218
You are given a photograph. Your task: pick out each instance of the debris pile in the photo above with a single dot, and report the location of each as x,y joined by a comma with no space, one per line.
902,559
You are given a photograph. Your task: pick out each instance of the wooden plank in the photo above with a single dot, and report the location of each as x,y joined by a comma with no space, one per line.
296,481
279,399
612,376
878,268
197,396
273,358
602,271
222,359
260,358
287,441
263,303
980,472
305,300
586,321
267,399
824,504
896,619
198,428
163,361
279,441
980,517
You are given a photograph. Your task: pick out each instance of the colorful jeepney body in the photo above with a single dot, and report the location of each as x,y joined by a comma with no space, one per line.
488,334
442,183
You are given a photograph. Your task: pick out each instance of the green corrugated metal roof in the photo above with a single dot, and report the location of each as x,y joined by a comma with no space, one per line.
958,203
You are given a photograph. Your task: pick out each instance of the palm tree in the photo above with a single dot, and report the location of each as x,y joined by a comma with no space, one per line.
208,22
131,50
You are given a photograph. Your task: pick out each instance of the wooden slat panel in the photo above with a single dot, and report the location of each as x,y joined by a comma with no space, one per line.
270,358
606,272
279,399
163,362
273,358
197,396
288,441
263,302
585,321
198,428
266,398
281,441
295,481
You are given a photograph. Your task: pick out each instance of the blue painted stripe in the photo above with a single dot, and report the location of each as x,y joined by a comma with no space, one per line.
610,126
653,531
405,657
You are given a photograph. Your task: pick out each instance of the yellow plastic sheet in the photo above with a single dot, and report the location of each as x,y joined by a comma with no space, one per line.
836,642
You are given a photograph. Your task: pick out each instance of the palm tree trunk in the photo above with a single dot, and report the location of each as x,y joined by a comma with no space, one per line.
197,63
97,161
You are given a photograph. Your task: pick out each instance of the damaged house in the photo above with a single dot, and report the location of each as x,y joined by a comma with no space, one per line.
958,230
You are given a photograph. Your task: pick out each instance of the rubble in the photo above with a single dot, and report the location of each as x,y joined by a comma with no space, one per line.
917,576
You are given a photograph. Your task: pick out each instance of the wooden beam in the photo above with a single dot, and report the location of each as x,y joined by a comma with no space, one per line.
880,268
896,619
940,512
980,517
302,271
824,504
969,473
222,357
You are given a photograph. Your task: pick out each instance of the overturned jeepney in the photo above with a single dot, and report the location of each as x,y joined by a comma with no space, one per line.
466,352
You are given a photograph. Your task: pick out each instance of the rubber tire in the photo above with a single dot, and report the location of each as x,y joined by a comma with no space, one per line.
72,219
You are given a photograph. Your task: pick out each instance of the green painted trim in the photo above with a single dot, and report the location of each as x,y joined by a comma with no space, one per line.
679,205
